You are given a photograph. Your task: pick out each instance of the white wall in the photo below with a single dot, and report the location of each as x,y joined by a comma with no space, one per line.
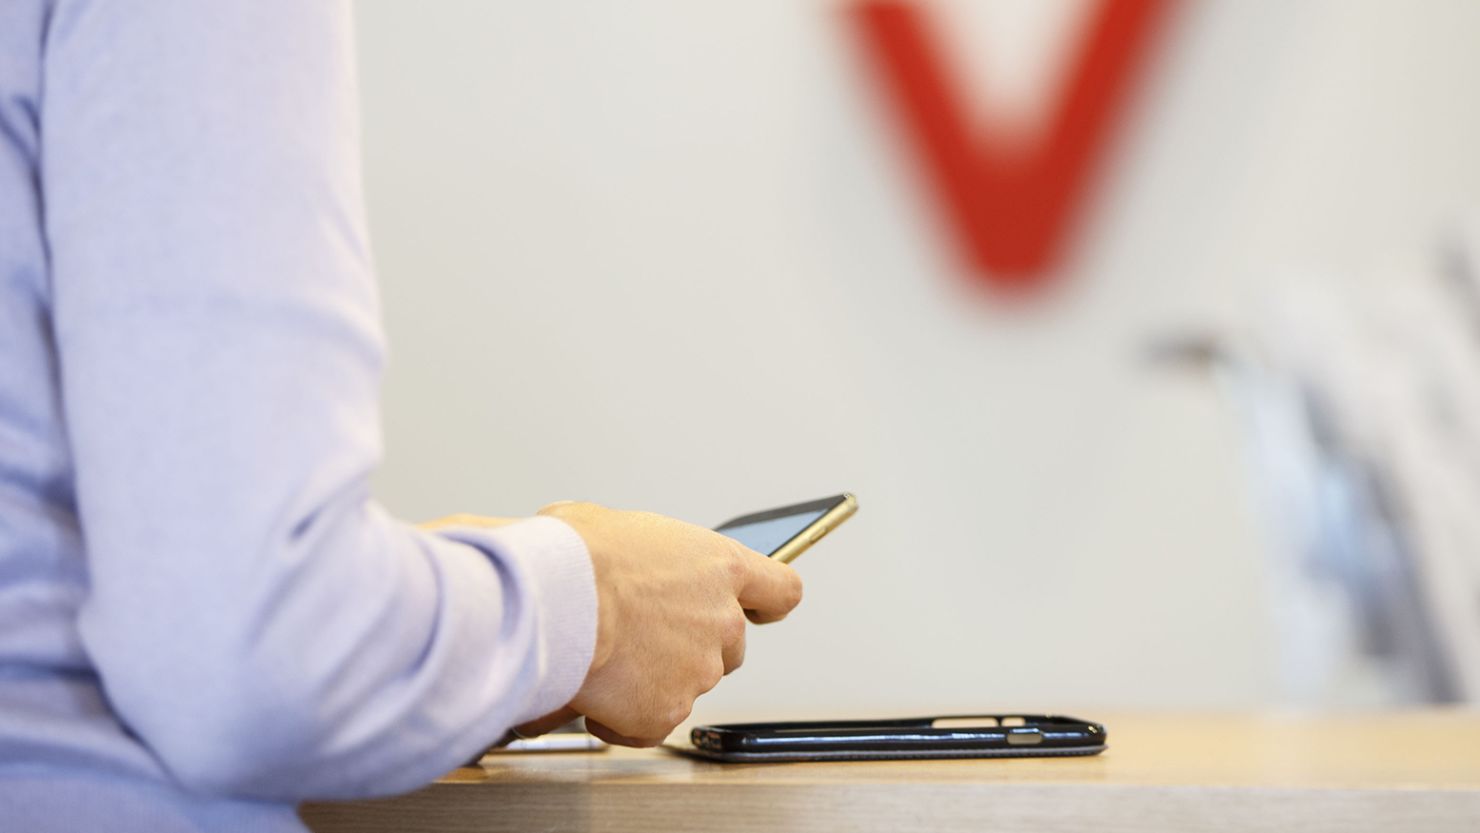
670,255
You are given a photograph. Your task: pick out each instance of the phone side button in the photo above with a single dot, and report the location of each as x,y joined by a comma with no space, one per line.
1024,737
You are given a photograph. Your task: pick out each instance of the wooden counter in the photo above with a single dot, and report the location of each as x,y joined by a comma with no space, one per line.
1401,772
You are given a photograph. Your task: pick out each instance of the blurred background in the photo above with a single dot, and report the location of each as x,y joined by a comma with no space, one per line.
1199,432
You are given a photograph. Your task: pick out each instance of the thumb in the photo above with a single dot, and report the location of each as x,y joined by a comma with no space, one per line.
769,589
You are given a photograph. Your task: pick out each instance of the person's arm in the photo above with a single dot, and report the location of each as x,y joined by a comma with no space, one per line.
259,623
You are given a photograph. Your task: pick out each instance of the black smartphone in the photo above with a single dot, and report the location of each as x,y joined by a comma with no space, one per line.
786,532
972,736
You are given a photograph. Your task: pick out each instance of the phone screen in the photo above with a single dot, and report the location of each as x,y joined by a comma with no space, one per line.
767,536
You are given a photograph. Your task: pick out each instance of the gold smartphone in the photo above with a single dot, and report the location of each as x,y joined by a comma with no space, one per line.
787,532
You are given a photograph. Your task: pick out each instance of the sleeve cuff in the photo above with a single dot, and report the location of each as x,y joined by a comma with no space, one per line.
549,555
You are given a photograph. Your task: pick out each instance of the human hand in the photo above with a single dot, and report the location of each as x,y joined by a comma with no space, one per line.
673,599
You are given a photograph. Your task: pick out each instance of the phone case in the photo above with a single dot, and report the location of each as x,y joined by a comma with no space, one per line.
967,736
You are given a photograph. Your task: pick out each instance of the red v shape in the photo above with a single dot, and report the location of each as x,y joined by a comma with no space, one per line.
1010,205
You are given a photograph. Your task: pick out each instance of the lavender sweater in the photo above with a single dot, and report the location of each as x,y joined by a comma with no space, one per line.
204,618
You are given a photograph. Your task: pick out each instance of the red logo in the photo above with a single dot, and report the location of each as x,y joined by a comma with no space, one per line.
1009,203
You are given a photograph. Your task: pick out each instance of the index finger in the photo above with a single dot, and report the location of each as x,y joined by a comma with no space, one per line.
768,589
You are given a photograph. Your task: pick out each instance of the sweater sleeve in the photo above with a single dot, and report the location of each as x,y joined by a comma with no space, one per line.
255,618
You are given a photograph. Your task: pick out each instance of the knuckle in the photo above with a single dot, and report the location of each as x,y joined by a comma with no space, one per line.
677,713
735,568
732,629
713,674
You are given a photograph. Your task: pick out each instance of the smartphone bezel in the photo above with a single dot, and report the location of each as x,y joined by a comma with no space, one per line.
838,508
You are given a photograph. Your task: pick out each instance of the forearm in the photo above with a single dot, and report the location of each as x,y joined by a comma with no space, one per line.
254,617
362,658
